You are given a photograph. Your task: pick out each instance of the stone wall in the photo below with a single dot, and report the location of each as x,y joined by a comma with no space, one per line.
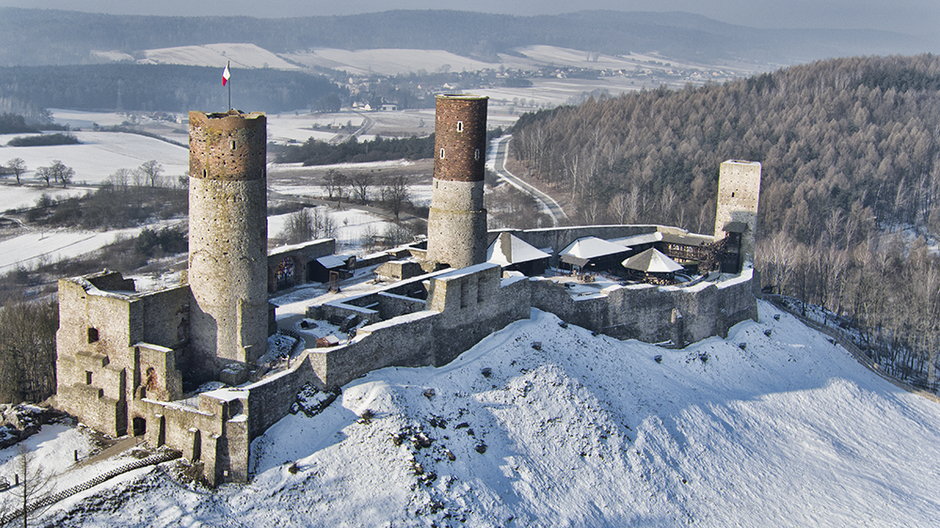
301,256
654,313
103,347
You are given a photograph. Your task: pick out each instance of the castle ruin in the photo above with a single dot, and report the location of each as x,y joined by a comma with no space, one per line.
130,362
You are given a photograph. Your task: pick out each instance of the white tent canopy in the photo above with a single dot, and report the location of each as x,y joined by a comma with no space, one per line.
509,249
652,261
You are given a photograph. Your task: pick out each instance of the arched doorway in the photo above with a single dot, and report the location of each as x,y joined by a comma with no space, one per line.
139,426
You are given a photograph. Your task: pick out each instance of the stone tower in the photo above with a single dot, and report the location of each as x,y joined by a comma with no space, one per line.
457,219
738,193
228,236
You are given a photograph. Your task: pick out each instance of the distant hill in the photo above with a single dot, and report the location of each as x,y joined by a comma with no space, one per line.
30,37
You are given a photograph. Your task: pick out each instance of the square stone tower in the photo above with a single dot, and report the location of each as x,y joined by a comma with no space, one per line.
228,237
738,195
457,219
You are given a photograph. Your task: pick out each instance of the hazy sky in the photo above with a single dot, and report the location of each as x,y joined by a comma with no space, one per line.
908,16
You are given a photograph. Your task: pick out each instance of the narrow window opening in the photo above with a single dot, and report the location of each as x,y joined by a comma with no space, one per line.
205,173
442,153
233,144
464,287
87,377
459,126
476,154
732,195
92,335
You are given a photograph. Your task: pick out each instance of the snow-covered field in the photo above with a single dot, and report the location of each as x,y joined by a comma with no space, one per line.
36,247
241,55
352,226
14,196
387,61
754,430
100,154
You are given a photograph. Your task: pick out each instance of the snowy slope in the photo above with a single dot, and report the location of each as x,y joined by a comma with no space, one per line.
783,430
241,55
100,154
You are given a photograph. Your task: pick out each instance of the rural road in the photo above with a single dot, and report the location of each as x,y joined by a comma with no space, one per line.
496,161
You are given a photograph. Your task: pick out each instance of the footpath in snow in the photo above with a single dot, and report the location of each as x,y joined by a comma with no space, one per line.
546,425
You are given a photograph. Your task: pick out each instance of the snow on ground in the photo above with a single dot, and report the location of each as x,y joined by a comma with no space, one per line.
387,61
36,247
352,225
85,119
241,55
100,154
287,167
755,430
298,127
20,196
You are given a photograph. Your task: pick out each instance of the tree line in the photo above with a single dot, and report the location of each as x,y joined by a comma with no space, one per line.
316,152
160,87
850,154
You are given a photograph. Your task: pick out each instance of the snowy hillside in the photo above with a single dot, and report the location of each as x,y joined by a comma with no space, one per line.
544,425
241,55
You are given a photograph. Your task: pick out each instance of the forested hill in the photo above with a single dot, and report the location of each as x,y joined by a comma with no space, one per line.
29,36
850,154
857,136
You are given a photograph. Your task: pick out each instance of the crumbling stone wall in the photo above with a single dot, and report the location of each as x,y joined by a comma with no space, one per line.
653,313
104,357
737,200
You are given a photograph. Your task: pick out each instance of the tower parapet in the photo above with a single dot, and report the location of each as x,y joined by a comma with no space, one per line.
736,211
228,235
457,219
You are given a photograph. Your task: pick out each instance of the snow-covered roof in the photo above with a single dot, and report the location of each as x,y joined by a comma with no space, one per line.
638,240
651,261
519,251
591,247
333,261
463,272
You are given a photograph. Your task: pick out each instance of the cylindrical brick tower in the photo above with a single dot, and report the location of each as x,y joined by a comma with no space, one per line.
457,220
228,236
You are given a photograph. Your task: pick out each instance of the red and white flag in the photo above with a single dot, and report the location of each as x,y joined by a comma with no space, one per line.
226,75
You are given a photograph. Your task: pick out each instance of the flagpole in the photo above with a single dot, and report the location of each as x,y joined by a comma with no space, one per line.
227,67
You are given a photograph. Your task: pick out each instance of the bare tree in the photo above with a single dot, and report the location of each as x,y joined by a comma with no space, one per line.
151,171
35,484
45,174
27,351
18,166
395,195
121,179
360,184
58,172
299,227
335,180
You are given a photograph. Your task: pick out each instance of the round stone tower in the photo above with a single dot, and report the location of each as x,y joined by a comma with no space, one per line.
228,236
457,219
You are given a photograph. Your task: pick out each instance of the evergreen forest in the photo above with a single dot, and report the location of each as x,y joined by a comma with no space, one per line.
849,210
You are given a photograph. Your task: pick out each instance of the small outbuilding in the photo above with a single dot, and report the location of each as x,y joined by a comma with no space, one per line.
322,268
